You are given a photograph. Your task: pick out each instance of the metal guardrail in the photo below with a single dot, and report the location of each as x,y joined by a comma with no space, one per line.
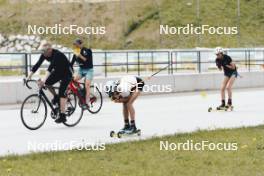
140,61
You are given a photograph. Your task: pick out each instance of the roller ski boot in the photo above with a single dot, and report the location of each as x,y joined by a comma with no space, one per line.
126,131
229,106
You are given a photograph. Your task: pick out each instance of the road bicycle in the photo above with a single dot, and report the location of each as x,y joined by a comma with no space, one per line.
34,109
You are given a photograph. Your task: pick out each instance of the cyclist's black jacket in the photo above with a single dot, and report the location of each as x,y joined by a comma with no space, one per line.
224,62
88,54
59,64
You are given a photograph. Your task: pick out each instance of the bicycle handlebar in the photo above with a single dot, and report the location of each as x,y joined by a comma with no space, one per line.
27,81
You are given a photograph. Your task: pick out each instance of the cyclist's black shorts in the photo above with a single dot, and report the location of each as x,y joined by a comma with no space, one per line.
65,81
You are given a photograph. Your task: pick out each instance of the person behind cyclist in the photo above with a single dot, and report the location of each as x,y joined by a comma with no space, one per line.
126,91
225,63
84,57
58,70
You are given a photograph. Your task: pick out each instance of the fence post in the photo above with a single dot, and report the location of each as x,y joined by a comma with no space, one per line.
263,55
169,63
127,61
199,61
176,60
26,64
105,65
152,62
246,61
171,58
138,64
249,61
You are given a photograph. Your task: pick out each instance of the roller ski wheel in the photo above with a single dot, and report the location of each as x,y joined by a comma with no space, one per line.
112,134
119,134
139,132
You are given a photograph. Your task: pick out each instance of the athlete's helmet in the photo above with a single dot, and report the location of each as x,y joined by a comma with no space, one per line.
218,50
110,87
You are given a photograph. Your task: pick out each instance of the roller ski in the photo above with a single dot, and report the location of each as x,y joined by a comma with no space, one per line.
223,109
126,132
223,106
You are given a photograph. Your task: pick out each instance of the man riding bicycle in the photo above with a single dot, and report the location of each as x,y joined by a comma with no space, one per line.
84,57
58,70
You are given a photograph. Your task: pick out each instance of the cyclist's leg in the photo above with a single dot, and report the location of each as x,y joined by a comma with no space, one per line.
63,93
52,79
78,76
88,80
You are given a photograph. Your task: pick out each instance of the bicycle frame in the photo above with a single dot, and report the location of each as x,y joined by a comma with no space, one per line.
41,93
74,86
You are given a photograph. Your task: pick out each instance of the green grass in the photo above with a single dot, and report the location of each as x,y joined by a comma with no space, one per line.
135,24
142,158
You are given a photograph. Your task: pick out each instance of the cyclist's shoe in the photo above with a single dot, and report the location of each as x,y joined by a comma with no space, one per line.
55,100
88,103
84,106
61,119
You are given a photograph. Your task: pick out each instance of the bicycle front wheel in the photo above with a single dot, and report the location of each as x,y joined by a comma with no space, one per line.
96,100
33,112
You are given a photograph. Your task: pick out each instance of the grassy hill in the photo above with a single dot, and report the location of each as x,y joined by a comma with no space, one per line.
144,158
134,24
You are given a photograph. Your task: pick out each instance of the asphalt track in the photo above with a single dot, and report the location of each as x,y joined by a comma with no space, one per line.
156,115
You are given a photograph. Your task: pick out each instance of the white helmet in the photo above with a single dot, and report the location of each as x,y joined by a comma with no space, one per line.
110,87
219,50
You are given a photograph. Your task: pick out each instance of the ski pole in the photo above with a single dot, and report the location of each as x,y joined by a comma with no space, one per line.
148,78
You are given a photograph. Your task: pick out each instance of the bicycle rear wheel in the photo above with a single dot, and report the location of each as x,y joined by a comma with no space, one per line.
33,112
73,112
96,100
